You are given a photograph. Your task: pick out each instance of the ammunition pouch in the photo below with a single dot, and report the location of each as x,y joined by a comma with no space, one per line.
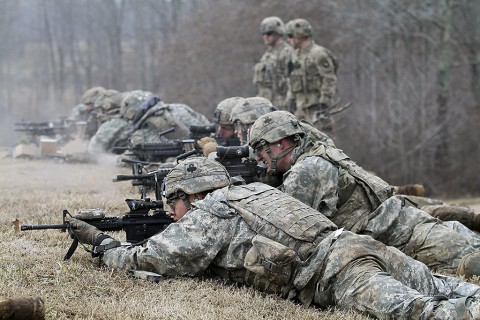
270,259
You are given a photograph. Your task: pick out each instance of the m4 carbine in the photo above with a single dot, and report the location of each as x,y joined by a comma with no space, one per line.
139,223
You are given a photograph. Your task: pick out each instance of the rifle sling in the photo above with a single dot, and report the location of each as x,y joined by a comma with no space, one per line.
72,249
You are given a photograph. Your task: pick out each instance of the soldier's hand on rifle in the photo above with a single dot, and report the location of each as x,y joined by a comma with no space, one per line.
208,145
86,233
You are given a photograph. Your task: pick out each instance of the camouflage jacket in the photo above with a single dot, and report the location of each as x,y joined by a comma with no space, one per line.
271,72
313,77
327,180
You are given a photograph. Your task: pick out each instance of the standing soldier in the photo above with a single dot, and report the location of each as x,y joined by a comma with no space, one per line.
270,74
312,77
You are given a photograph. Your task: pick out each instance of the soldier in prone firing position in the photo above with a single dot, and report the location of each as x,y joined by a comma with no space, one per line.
326,179
258,236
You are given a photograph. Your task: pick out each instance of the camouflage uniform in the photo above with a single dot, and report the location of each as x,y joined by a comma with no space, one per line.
325,178
133,127
81,112
312,79
271,72
258,236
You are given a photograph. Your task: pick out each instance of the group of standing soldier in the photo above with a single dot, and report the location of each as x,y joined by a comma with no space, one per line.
301,76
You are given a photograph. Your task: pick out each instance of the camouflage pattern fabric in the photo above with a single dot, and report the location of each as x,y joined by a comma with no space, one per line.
271,73
174,115
113,133
228,233
119,132
79,113
313,83
334,189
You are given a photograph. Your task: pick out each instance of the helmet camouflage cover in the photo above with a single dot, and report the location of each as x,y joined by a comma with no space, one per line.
272,24
195,175
91,94
109,99
299,28
273,127
251,109
224,109
132,101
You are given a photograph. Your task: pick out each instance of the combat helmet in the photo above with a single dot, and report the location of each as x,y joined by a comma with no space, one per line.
251,109
109,99
91,94
298,28
224,109
195,175
274,126
272,24
246,112
131,101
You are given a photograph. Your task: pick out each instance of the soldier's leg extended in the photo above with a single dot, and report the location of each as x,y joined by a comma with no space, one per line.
422,237
443,249
443,211
370,279
446,212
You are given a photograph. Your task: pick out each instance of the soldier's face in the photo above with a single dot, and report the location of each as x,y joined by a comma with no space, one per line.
294,42
270,38
177,209
241,131
226,131
263,156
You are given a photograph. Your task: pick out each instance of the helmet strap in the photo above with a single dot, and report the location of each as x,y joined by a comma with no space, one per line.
273,165
185,200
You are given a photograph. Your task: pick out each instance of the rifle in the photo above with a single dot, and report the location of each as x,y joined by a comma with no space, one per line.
35,129
229,142
158,152
149,181
238,163
138,223
199,132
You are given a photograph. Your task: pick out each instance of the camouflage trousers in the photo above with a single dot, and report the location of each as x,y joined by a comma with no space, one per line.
367,276
440,246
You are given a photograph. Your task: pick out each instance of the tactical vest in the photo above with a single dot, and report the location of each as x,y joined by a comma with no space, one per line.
305,79
376,189
288,233
275,215
160,118
270,74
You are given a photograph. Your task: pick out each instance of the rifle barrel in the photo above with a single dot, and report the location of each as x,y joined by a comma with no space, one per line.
42,226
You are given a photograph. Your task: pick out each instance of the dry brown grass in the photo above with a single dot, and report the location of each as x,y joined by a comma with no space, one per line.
31,262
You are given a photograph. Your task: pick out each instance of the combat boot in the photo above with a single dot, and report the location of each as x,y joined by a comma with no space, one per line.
22,308
410,190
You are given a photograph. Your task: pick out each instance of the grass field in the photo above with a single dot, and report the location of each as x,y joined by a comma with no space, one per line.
31,262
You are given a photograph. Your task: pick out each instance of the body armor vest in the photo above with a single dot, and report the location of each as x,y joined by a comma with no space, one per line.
376,189
275,215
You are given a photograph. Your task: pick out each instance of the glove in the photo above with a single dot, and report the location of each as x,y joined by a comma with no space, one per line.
208,145
85,232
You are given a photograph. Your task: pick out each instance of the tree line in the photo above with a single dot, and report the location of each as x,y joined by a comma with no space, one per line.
410,69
